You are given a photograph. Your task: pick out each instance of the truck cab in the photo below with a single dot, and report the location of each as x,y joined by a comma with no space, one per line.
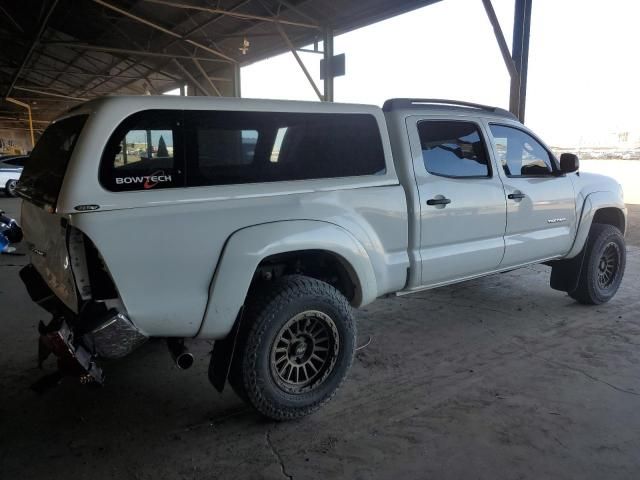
486,193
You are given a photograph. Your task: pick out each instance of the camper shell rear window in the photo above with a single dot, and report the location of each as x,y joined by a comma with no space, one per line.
42,176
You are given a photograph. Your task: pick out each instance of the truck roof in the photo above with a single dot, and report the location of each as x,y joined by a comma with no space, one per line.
170,102
408,106
436,105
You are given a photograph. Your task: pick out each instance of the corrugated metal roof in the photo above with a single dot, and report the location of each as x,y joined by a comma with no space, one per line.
83,49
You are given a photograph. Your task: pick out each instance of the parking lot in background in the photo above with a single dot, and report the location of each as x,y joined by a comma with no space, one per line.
626,173
500,374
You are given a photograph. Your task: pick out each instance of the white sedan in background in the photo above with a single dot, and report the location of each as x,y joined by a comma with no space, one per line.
10,171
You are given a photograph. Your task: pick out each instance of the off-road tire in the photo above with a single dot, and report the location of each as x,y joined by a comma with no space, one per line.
604,241
10,188
270,308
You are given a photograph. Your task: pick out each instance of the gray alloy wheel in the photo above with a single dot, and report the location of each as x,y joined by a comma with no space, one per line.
295,349
305,351
10,188
603,266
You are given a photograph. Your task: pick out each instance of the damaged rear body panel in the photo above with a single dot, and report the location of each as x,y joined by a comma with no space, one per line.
80,339
67,275
46,238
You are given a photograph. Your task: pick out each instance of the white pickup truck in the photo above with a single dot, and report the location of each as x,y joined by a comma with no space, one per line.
260,224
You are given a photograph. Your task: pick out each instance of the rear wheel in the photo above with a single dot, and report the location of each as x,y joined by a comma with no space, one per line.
296,349
10,188
603,266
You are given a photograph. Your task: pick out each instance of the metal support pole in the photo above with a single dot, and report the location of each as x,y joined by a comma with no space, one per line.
152,89
125,159
28,107
520,55
292,48
328,67
149,145
502,43
207,78
237,92
193,80
33,140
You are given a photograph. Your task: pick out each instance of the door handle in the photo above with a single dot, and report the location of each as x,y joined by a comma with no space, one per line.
516,196
439,201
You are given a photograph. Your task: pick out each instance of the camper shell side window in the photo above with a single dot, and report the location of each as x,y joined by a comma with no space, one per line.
163,149
144,153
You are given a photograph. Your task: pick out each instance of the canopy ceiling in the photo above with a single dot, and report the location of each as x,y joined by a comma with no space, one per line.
56,53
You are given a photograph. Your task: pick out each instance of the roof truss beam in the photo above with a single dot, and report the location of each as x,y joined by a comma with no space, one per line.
50,94
242,16
196,29
128,51
502,43
165,30
32,46
85,74
193,80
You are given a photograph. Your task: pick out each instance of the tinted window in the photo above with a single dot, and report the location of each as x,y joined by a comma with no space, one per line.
144,153
43,173
453,149
248,147
519,153
218,148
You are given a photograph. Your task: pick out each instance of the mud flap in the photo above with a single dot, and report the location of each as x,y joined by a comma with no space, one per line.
222,355
565,274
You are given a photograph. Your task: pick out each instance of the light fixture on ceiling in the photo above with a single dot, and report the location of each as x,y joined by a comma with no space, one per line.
245,46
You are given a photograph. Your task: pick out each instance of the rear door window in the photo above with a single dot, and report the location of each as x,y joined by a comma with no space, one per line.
453,149
250,147
42,177
145,153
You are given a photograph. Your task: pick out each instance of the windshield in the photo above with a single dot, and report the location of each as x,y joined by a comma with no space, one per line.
43,173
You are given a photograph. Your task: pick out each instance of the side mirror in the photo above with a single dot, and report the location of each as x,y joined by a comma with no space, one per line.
569,163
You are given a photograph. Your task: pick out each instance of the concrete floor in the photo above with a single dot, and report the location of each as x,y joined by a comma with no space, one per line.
500,377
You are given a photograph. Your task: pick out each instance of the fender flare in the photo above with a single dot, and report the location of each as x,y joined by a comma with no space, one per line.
246,248
565,273
592,203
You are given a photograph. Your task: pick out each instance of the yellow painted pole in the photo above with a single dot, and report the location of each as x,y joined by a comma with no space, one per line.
33,140
28,107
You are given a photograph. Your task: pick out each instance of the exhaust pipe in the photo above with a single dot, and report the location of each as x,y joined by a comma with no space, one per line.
181,356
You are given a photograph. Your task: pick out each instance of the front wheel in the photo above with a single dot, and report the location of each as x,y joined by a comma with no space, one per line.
296,349
10,188
603,266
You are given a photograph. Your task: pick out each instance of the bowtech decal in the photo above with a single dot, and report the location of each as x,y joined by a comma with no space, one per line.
148,181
